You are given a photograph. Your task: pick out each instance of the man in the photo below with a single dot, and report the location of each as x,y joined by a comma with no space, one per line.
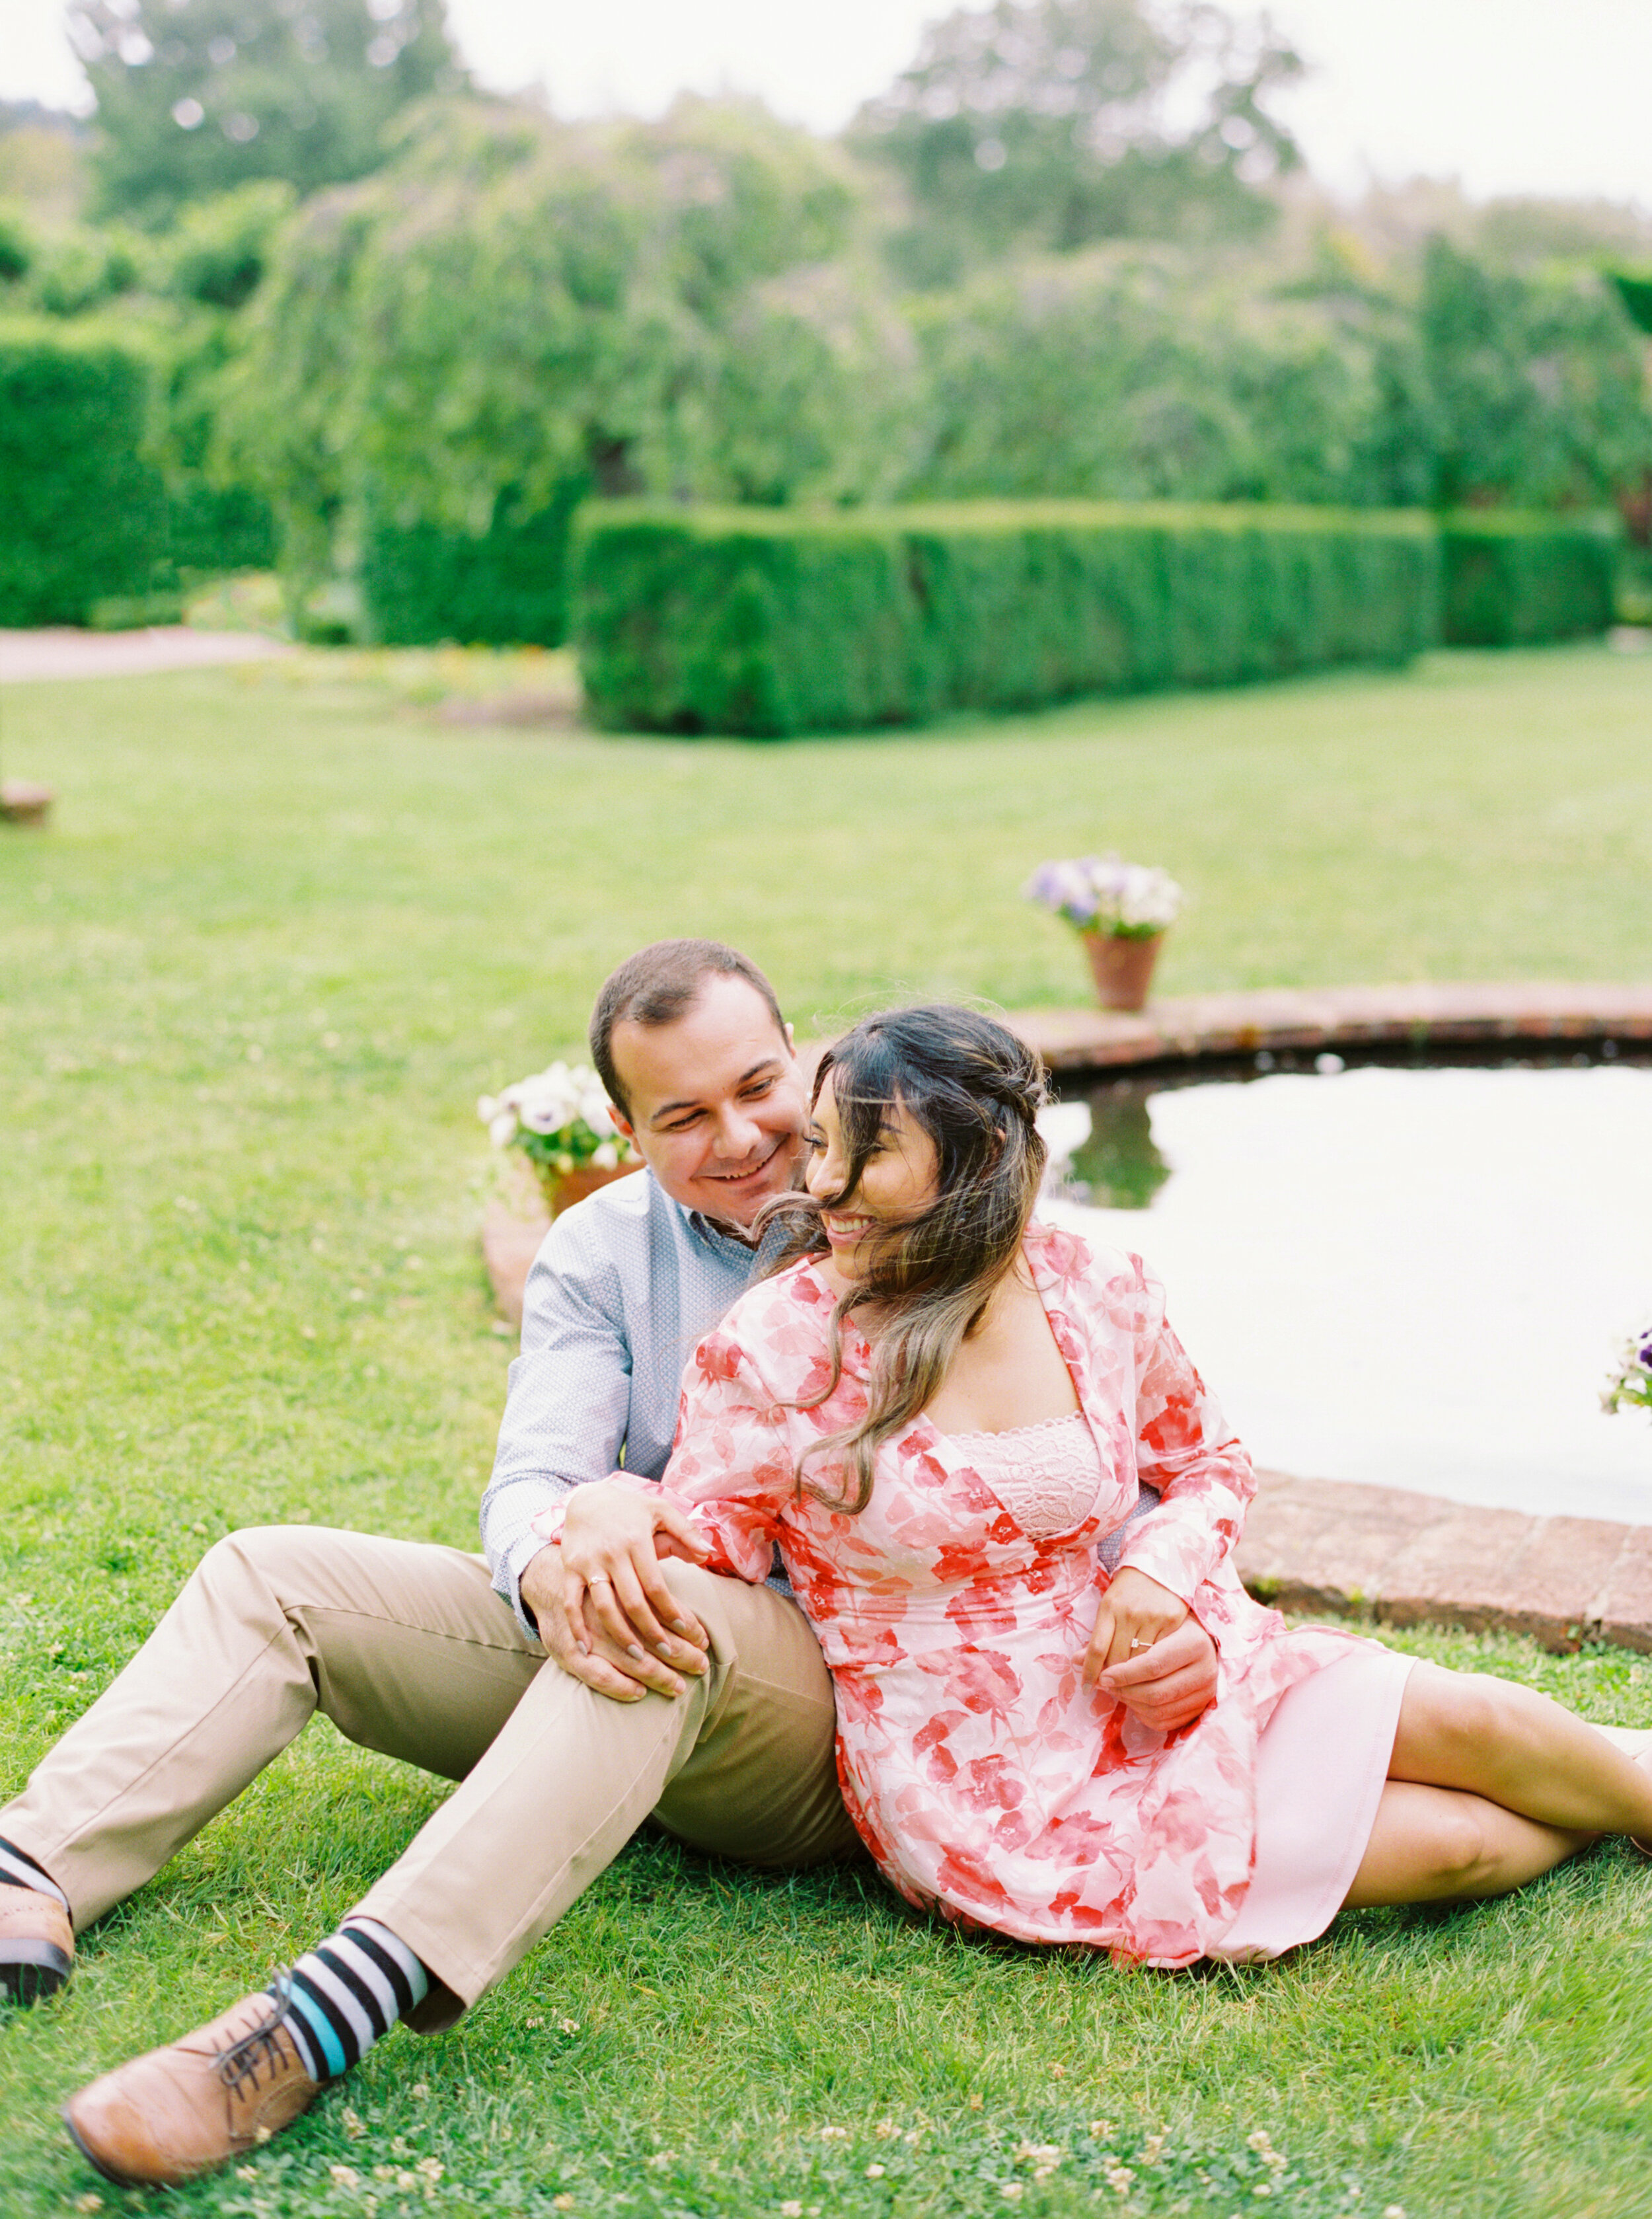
712,1709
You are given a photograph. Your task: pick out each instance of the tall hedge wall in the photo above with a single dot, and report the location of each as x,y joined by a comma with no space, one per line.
1509,580
421,583
768,623
86,517
84,514
212,530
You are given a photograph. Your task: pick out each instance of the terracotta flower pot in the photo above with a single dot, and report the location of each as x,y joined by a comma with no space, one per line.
563,1188
1123,966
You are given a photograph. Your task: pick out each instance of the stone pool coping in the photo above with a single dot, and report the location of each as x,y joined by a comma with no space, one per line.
1197,1027
1331,1548
1326,1546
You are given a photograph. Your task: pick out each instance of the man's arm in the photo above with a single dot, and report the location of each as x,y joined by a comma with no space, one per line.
566,1416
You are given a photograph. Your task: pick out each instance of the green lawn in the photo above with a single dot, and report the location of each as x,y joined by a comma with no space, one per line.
285,928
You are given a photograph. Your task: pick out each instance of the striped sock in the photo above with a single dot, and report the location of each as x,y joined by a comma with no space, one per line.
18,1871
348,1993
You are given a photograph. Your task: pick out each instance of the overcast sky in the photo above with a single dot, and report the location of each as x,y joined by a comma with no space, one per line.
1509,95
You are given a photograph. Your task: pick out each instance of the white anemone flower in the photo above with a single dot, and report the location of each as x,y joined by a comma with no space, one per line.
593,1107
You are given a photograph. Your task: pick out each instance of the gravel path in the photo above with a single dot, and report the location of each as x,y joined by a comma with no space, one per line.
61,651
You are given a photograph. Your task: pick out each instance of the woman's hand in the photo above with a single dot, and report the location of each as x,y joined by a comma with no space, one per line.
612,1539
1135,1612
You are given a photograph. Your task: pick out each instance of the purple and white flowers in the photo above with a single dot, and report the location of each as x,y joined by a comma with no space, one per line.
1103,893
558,1117
1631,1383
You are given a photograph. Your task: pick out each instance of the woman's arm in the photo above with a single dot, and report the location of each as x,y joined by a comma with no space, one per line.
717,1503
1184,1448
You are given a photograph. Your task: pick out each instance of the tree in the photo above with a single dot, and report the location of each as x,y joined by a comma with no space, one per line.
514,304
1136,372
1538,382
197,97
1049,124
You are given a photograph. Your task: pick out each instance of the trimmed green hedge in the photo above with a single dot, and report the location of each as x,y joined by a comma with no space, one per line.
89,524
85,514
1510,580
420,583
770,622
212,529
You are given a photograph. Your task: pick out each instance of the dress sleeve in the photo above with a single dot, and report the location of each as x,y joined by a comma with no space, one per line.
1185,1449
732,1462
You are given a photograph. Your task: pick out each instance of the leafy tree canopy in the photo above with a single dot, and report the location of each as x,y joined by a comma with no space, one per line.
1049,124
673,307
197,97
1538,380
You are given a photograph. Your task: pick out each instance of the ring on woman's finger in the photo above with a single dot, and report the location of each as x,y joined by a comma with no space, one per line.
598,1579
1141,1645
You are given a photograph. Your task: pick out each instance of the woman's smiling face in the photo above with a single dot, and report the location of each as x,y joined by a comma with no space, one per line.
897,1182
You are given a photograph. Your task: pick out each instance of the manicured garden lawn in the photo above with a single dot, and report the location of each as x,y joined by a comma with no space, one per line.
286,926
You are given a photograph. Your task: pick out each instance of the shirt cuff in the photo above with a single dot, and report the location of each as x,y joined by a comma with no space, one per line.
507,1575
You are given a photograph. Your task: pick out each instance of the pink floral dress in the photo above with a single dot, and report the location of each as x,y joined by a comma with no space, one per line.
990,1783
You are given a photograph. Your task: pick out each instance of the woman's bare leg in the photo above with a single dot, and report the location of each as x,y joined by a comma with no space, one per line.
1490,1785
1442,1845
1516,1748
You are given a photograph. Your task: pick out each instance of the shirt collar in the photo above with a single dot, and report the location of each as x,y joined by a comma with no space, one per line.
724,1243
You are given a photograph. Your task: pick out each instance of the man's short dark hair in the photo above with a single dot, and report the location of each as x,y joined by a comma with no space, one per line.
655,986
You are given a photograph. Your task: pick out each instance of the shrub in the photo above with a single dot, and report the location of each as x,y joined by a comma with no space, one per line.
1511,580
85,512
420,583
212,530
768,623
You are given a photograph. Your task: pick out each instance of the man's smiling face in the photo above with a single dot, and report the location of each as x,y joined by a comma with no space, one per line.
714,1101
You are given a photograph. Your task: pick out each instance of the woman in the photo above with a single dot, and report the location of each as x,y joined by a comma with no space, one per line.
938,1412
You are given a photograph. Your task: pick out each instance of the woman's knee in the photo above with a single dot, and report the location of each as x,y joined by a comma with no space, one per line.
1456,1721
1456,1846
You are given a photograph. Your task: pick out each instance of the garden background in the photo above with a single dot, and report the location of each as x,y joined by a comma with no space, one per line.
291,919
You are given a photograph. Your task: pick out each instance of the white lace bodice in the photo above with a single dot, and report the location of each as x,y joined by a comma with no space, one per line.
1047,1476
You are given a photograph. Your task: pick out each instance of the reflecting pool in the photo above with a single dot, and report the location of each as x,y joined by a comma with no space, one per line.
1417,1277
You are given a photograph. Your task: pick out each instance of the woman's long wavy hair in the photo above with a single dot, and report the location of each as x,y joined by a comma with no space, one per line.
975,1090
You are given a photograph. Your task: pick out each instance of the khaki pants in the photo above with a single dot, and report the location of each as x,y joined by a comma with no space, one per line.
407,1650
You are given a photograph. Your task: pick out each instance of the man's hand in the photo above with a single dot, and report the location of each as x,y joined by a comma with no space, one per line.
1169,1684
605,1612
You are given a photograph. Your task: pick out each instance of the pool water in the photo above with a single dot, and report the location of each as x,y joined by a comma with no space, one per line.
1416,1277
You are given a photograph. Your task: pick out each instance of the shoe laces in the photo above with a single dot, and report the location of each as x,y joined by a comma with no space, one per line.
259,2047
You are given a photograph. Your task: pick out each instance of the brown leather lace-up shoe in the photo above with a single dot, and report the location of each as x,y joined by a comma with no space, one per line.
37,1943
192,2107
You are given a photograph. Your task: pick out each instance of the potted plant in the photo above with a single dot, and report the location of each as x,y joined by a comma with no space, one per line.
559,1119
1119,910
1631,1383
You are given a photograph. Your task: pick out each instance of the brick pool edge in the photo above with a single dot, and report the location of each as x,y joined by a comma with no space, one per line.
1201,1026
